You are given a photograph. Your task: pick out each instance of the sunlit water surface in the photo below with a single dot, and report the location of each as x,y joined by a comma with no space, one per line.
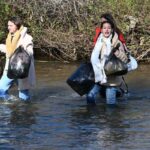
59,119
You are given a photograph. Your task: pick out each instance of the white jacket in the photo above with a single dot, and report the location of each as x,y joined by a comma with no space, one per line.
26,41
100,53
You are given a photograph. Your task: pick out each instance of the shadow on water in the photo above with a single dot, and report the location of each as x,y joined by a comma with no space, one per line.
58,119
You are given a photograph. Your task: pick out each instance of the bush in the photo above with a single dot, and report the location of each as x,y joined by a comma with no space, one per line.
64,29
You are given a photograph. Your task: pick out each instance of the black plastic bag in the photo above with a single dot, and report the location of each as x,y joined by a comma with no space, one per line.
114,66
19,64
82,80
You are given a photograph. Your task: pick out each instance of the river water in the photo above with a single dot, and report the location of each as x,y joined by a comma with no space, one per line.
59,119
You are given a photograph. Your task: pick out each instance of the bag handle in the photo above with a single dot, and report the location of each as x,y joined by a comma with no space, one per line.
126,86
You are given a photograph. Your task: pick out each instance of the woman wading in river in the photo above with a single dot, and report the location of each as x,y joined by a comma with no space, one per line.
17,36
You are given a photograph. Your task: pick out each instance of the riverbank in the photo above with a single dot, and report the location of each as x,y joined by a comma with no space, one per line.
64,30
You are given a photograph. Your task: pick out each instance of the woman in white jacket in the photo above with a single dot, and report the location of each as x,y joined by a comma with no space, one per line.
107,40
17,36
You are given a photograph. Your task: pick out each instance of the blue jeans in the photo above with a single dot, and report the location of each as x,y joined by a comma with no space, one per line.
95,91
6,83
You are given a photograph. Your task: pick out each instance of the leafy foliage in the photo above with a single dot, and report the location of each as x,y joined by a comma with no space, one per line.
64,29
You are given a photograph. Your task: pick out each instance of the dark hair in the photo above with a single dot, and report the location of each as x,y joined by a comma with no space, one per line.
17,21
110,18
109,22
107,16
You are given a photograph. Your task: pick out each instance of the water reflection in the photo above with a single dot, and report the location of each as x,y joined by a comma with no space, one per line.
16,119
99,126
22,114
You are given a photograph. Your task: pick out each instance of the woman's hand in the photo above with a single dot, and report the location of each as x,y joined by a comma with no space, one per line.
121,55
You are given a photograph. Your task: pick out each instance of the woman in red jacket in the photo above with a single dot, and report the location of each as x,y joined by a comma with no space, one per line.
109,17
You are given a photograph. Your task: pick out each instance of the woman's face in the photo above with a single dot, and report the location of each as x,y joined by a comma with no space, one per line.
12,27
106,30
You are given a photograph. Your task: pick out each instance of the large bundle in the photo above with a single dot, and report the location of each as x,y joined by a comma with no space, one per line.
19,64
82,80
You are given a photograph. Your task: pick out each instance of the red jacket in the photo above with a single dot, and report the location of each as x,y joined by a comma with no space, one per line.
98,31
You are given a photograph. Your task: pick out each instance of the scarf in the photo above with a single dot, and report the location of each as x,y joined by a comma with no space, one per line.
99,56
12,41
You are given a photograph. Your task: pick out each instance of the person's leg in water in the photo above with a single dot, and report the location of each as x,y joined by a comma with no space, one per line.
111,96
24,95
91,96
5,84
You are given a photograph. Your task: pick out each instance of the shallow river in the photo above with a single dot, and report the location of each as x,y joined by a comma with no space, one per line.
59,119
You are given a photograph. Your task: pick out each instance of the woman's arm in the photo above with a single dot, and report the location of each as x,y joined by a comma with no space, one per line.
29,49
28,44
121,54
